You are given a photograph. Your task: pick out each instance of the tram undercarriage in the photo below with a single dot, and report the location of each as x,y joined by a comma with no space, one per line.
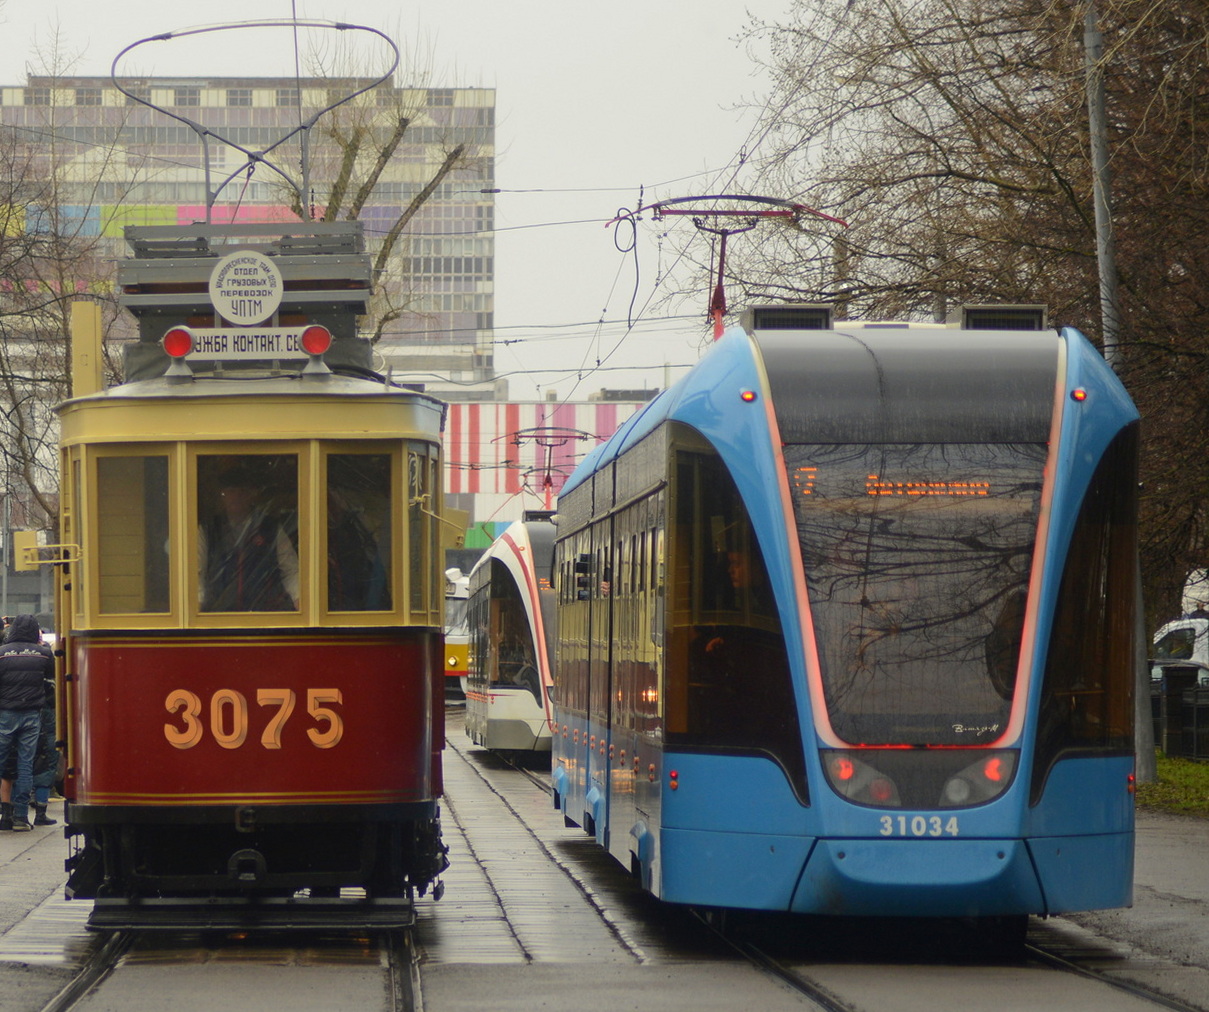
240,867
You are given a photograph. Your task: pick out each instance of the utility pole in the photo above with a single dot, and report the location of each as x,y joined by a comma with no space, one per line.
1093,50
1093,53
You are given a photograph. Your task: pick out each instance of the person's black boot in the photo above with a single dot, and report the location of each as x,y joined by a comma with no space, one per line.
41,819
6,815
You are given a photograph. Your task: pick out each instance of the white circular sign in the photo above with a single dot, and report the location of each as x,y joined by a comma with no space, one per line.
245,287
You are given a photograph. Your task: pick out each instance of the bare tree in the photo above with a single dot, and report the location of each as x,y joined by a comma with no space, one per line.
953,135
356,159
51,254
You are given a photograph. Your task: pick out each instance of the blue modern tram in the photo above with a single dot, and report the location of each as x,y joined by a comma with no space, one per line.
847,626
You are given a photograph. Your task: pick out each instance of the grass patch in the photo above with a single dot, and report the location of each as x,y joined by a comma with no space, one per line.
1182,788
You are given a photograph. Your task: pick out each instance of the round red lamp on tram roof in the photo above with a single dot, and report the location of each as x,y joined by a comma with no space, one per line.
316,339
178,342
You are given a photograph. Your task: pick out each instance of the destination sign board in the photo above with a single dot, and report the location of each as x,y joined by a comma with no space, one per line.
243,343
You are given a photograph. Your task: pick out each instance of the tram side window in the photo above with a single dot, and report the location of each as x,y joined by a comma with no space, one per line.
728,683
247,510
358,532
1087,694
419,504
132,534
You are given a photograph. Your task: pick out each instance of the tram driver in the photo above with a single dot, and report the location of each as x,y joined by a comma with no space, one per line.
247,561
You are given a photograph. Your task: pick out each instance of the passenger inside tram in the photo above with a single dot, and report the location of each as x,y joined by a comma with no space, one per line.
247,561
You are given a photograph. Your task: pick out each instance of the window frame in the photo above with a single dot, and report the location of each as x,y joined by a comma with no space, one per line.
88,525
395,558
189,575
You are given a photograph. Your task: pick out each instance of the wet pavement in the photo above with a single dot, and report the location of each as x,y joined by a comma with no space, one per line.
533,911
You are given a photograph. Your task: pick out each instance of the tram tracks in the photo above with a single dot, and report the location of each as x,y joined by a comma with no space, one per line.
391,953
1031,956
1052,955
1056,961
403,969
100,963
516,902
800,984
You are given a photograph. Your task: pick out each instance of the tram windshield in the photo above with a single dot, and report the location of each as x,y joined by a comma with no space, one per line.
247,512
917,562
456,620
517,660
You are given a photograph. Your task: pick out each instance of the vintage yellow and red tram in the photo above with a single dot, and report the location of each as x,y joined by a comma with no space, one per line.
250,611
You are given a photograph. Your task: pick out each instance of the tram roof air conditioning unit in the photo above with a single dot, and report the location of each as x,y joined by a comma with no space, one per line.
793,317
1024,317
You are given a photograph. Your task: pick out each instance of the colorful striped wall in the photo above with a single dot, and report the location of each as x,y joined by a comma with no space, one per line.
501,452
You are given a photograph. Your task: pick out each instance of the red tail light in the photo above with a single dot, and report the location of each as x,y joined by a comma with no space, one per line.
881,790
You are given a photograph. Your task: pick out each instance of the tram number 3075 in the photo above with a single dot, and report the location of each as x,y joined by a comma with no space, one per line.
918,825
229,717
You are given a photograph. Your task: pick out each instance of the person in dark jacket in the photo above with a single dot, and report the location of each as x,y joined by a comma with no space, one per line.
46,763
25,665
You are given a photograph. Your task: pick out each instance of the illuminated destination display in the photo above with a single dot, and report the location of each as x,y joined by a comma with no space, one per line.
875,485
806,478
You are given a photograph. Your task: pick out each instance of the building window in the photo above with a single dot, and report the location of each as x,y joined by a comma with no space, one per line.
287,96
239,96
88,96
136,94
440,96
186,96
37,96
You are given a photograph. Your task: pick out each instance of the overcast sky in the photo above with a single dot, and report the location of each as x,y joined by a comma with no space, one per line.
593,100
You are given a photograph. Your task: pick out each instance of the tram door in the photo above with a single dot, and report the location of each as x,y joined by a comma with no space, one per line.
600,659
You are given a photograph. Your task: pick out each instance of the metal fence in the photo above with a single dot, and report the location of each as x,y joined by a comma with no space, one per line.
1180,710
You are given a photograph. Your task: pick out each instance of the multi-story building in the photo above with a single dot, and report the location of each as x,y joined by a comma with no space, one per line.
93,159
101,160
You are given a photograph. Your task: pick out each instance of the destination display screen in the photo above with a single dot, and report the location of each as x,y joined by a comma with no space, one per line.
804,479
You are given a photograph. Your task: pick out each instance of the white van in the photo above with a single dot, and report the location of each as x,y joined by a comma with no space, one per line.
1184,641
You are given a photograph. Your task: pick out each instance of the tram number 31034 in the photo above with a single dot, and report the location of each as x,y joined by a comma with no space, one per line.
229,720
918,825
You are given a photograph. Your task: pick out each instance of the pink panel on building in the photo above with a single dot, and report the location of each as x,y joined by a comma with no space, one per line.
568,455
224,214
453,449
512,424
482,455
474,445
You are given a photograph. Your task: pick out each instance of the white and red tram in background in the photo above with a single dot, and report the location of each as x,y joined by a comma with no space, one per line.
512,631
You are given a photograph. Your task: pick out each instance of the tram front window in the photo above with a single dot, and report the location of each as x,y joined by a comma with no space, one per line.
917,562
247,521
132,534
358,532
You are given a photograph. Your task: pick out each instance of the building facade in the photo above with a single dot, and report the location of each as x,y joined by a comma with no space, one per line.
100,160
92,159
505,457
